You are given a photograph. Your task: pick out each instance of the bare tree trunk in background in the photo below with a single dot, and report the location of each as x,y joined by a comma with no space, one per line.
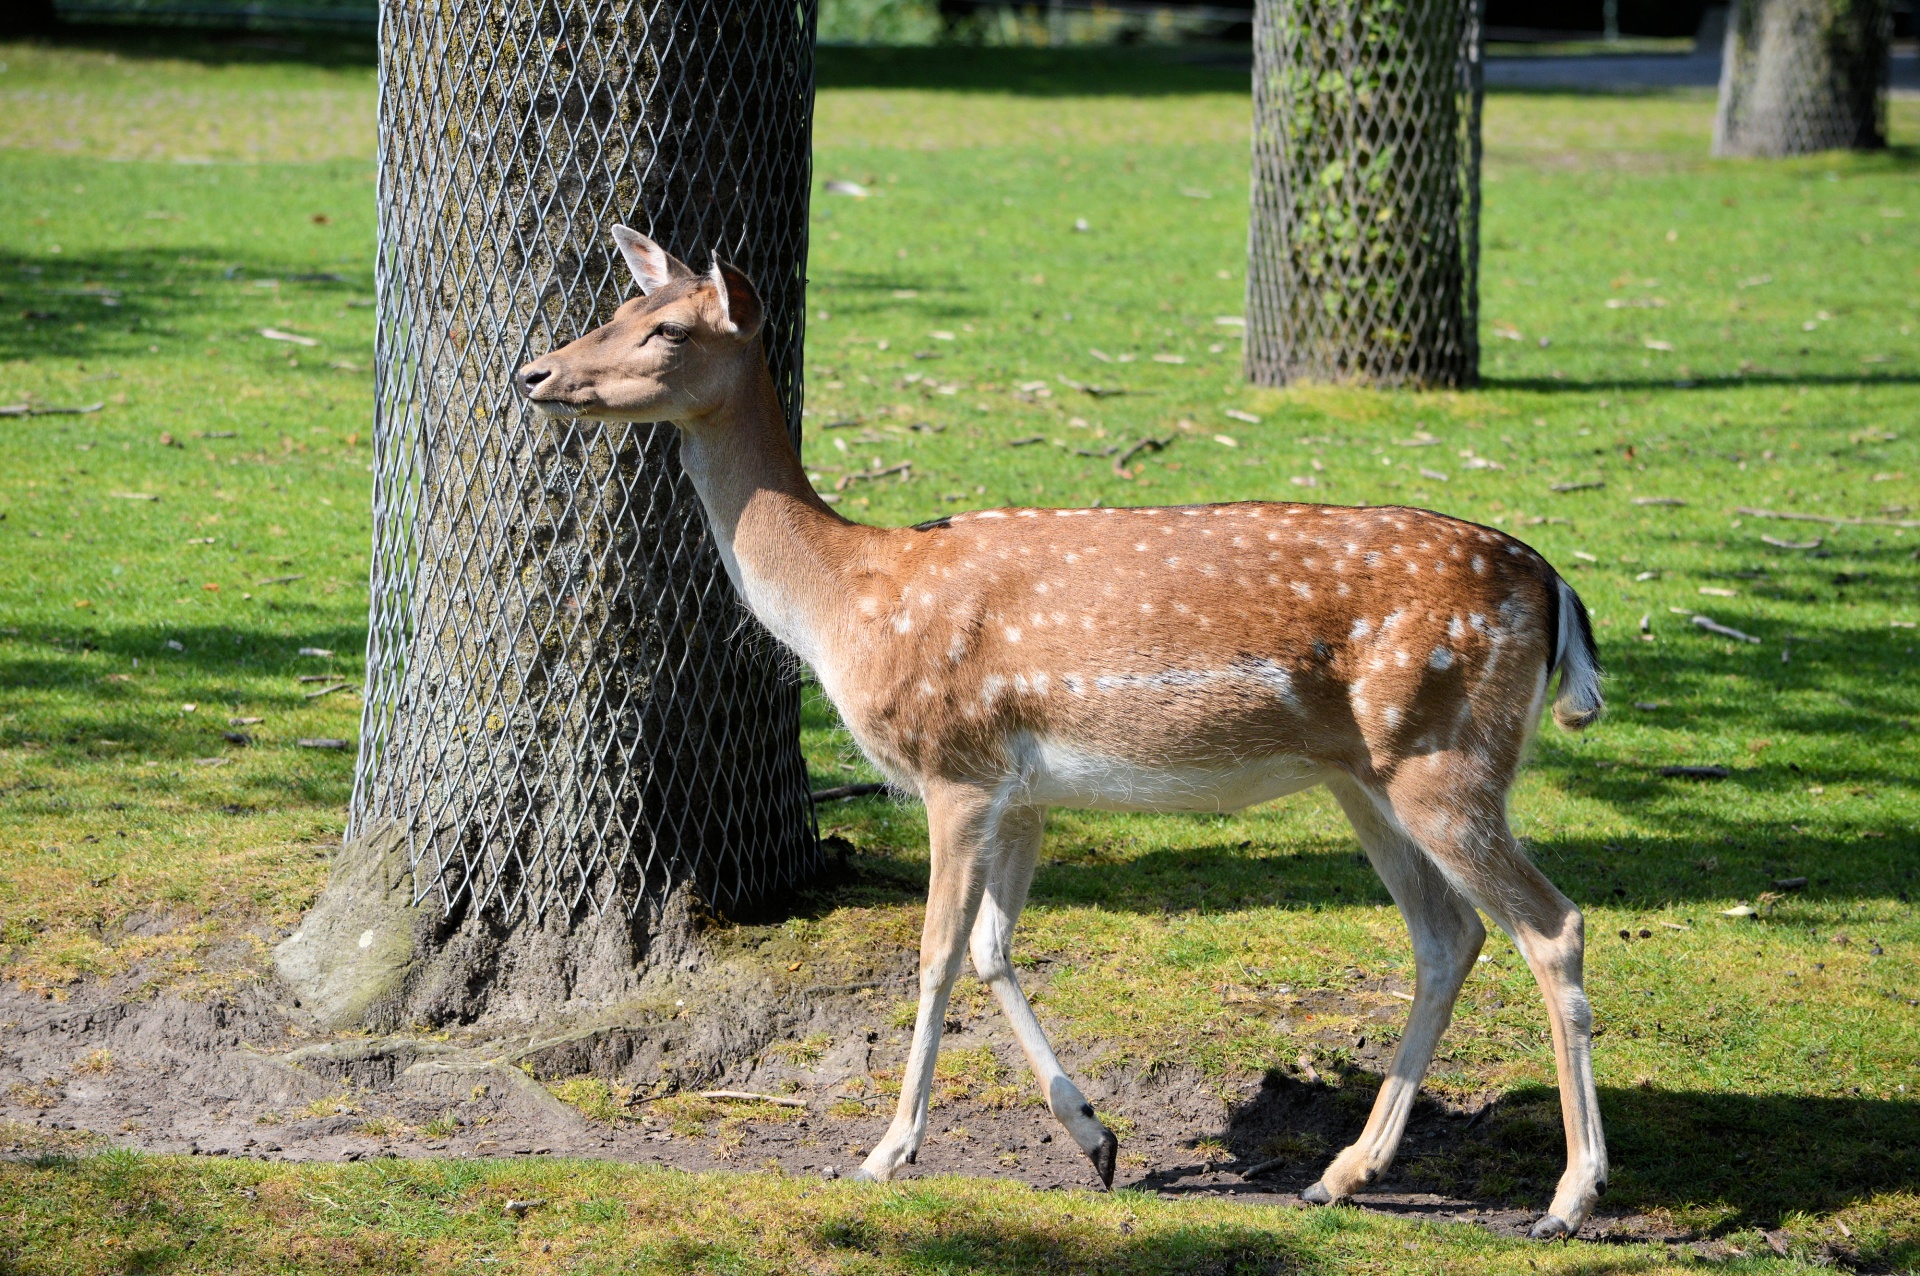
1364,251
576,739
1800,76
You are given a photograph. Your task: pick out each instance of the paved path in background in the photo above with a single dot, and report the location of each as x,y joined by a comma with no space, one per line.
1616,73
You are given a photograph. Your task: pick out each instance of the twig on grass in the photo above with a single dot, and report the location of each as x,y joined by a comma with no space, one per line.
28,409
748,1096
1097,391
1831,520
1144,445
861,476
1725,631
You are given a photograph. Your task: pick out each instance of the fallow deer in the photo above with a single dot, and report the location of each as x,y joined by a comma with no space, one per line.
1196,658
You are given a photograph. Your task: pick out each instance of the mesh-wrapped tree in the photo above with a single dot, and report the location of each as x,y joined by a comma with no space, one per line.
1364,248
574,736
1799,76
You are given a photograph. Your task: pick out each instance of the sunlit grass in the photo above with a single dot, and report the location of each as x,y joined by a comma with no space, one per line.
1762,353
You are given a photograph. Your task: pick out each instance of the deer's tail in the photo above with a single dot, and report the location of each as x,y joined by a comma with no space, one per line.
1578,704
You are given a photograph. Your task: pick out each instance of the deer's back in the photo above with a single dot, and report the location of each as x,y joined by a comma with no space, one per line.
1201,640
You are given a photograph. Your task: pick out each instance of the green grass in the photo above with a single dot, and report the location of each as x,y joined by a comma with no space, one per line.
1754,1071
121,1212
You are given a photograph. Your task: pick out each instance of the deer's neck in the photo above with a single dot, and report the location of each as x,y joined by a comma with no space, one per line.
784,550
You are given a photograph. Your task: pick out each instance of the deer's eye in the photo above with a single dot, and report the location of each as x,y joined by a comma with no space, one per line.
672,332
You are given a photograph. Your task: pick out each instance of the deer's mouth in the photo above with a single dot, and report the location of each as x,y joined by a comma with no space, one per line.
554,407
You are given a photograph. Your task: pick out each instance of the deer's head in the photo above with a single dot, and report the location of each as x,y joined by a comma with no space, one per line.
673,353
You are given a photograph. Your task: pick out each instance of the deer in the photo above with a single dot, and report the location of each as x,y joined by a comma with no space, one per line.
1202,658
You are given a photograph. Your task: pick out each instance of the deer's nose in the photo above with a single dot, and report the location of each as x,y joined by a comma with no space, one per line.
532,377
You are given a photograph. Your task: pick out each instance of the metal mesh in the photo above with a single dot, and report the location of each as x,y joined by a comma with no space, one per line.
1365,240
1799,76
566,707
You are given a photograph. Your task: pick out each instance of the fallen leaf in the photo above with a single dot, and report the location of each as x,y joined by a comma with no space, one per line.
1238,415
852,189
316,651
320,742
275,334
1738,910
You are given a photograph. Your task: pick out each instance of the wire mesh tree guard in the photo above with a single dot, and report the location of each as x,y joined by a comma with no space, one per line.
1799,76
567,708
1364,250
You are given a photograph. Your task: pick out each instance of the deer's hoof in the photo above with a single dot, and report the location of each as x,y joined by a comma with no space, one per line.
1318,1195
1551,1227
1104,1156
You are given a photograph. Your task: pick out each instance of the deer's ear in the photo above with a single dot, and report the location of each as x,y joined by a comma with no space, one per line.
741,312
653,267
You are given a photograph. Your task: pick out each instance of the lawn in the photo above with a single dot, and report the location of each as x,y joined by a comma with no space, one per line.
1670,342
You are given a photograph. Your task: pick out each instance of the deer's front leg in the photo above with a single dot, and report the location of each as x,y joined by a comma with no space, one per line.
1017,852
959,827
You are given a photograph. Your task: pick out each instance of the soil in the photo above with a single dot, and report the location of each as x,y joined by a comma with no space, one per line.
239,1075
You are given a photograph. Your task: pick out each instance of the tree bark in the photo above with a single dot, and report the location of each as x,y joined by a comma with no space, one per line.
576,740
1799,76
1364,249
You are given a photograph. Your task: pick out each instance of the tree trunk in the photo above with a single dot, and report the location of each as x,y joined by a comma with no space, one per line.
575,738
1364,251
1799,76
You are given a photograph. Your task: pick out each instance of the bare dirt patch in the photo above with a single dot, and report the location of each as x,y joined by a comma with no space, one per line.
237,1075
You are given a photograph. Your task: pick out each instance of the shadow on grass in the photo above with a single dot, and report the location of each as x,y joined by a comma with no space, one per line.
1705,381
56,702
1078,72
89,304
212,48
1005,1245
1714,1160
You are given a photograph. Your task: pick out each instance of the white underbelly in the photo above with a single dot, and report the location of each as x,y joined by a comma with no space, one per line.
1057,774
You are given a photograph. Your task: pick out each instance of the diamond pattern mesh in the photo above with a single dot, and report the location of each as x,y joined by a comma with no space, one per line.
1800,76
567,708
1365,242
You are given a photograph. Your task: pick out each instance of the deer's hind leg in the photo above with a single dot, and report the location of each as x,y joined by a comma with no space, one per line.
1017,851
1447,935
1462,825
